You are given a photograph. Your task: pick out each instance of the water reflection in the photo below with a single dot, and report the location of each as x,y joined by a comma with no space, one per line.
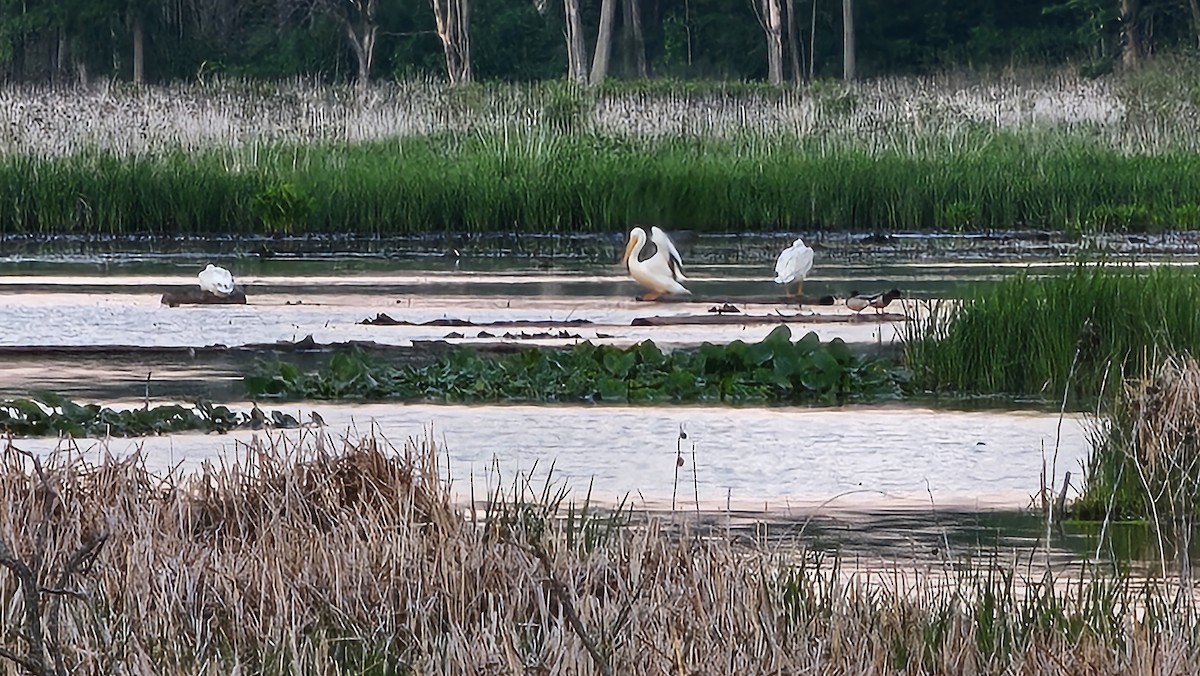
780,460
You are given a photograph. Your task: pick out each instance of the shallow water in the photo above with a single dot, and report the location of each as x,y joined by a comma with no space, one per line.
918,475
90,298
780,460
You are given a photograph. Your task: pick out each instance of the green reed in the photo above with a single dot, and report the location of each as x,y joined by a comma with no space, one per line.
556,182
1033,335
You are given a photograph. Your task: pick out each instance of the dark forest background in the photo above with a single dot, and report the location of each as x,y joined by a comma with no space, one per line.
521,40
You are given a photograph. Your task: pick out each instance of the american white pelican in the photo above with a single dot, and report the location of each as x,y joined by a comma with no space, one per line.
794,265
861,301
661,272
216,280
663,243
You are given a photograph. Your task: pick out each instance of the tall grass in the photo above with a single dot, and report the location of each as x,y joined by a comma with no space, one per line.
1145,461
1037,335
550,182
948,152
317,558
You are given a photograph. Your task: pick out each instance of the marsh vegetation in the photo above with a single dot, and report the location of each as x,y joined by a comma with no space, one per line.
1065,336
774,370
331,557
950,153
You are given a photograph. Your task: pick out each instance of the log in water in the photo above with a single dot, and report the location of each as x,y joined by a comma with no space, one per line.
202,297
761,300
717,319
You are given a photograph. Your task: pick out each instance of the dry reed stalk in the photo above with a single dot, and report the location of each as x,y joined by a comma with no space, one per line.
319,556
1167,413
922,114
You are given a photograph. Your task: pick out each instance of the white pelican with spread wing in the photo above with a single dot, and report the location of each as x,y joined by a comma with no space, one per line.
793,265
216,280
661,272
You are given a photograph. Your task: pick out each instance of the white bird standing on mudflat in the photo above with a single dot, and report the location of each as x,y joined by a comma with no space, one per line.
793,265
216,280
661,272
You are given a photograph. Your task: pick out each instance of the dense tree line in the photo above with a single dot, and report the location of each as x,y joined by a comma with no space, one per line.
586,40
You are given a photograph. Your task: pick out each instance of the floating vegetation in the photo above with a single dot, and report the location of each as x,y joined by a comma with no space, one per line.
52,414
774,370
366,566
1035,335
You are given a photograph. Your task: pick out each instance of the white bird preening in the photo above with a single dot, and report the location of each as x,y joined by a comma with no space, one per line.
216,280
793,265
661,272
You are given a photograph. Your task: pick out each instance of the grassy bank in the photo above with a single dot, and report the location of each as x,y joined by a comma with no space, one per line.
526,181
1093,325
954,152
349,558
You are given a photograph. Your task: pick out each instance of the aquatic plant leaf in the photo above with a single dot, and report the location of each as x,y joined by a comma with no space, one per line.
618,363
611,389
648,353
839,350
780,336
810,342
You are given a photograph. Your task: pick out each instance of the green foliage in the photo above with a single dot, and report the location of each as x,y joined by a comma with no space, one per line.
566,107
282,207
1032,335
774,370
545,180
53,414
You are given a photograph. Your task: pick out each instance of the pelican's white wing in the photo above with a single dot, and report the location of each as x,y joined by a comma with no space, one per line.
664,243
794,263
216,280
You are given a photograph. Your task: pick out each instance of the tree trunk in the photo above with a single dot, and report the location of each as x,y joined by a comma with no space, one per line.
1195,7
848,66
773,25
635,39
603,42
139,50
453,20
61,56
812,44
1131,41
361,30
795,43
576,58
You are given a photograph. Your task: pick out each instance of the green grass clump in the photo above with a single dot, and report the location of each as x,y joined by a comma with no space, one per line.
553,181
774,370
52,414
1031,335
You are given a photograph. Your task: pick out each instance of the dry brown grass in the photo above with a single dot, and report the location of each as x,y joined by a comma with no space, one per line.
1166,409
320,557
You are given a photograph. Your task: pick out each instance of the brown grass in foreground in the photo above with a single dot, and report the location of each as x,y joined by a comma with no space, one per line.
316,557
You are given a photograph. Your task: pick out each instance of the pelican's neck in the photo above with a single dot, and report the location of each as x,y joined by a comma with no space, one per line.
635,256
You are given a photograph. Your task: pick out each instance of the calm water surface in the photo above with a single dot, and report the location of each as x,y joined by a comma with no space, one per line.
958,469
777,460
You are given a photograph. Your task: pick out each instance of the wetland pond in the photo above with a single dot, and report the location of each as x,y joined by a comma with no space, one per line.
91,326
